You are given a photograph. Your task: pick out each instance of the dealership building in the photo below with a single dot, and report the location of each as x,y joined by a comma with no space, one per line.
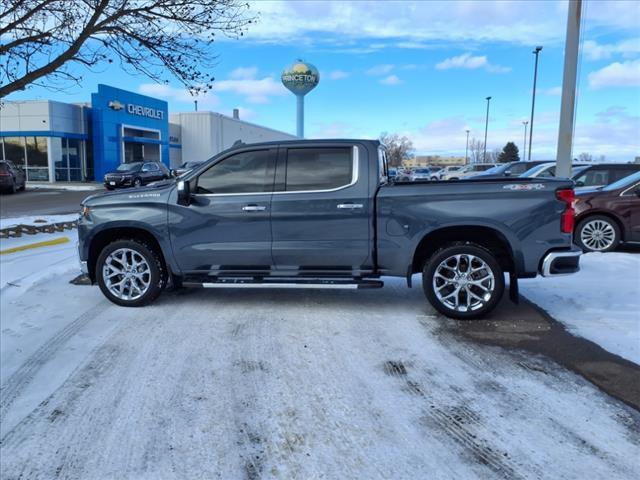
64,142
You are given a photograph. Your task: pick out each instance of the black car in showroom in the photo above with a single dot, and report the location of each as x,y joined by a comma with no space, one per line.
135,174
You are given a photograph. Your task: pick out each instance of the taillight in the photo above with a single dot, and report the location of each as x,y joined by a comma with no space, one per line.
567,220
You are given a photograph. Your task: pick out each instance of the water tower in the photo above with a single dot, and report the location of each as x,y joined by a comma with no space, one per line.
300,78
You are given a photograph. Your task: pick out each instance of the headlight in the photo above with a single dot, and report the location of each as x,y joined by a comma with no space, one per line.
85,211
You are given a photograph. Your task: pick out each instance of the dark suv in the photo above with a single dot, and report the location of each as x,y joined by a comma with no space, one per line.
135,174
604,174
12,178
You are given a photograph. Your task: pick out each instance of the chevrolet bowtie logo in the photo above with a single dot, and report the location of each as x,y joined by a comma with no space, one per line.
116,105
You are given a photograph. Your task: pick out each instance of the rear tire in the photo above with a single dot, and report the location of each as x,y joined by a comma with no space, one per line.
130,273
463,281
597,233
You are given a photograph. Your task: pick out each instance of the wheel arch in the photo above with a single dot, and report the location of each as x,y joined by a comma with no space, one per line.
490,238
102,238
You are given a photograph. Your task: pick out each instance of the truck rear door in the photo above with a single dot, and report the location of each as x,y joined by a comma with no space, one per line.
321,210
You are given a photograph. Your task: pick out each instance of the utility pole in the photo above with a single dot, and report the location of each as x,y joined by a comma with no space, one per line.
486,127
536,52
524,144
568,103
466,150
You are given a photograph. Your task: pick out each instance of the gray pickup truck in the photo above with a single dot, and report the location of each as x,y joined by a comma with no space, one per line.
324,214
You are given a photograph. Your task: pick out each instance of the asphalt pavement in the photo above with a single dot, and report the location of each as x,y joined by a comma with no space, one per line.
42,201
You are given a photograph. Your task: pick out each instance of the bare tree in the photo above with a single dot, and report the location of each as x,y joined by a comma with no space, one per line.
399,148
476,151
585,157
43,41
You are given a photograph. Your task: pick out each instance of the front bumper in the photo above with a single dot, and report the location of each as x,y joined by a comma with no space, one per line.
561,262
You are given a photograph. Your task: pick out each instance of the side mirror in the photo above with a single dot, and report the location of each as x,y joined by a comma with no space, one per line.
184,193
507,173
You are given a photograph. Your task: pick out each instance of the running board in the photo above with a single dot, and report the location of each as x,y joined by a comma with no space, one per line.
309,284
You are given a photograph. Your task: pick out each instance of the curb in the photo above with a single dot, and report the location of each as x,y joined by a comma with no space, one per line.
18,230
47,243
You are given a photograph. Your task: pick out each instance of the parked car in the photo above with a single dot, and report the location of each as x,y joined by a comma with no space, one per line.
435,172
12,178
447,170
420,174
468,171
135,174
604,174
548,169
321,214
511,169
608,215
184,168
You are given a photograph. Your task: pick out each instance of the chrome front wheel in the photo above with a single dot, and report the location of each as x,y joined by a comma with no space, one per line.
126,274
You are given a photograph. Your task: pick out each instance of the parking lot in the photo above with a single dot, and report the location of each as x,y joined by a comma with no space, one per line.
299,384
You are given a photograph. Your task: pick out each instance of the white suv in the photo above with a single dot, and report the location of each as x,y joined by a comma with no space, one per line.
467,171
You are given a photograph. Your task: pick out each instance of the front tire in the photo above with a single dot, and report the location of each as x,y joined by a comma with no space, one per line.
137,183
463,281
130,273
597,234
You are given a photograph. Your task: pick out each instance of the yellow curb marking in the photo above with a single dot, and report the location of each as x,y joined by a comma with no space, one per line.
48,243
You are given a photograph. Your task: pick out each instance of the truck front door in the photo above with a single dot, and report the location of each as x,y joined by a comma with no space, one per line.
226,227
320,210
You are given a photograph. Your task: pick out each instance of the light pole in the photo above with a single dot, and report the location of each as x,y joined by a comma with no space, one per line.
466,150
486,127
536,52
524,144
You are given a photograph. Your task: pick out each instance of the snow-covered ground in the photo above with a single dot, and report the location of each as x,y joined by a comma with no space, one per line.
280,384
37,220
83,187
600,303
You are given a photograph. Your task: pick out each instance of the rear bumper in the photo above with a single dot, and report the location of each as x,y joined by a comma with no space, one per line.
562,262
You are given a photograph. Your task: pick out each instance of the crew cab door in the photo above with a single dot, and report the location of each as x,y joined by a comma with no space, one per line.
226,228
320,210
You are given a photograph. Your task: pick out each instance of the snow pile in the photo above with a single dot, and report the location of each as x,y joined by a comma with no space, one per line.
61,186
38,220
600,303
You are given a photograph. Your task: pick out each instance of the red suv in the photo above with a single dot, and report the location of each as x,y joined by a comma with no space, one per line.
608,215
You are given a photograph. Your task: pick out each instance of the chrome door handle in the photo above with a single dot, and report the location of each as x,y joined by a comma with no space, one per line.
253,208
349,206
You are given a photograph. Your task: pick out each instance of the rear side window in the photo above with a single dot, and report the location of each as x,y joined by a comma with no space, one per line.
318,168
246,172
518,168
620,173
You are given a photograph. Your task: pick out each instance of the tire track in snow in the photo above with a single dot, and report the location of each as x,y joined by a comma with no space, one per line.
21,378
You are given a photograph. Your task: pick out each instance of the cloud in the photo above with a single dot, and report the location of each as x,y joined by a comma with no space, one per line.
468,61
420,24
380,70
391,80
551,92
254,90
337,75
617,74
595,51
166,92
244,73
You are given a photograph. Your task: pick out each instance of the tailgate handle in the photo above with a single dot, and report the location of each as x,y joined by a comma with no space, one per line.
253,208
350,206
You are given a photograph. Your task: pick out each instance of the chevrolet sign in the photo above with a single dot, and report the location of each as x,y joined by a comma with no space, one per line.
145,111
115,105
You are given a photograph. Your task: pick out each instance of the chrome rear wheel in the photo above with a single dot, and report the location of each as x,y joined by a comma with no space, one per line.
598,235
464,283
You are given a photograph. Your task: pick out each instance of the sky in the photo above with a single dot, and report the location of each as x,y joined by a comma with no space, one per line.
422,69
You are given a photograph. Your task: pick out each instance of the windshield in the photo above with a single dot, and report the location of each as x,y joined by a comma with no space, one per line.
421,170
497,169
623,182
129,167
536,169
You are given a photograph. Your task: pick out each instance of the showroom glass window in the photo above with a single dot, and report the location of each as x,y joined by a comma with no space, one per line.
246,172
318,168
37,159
14,150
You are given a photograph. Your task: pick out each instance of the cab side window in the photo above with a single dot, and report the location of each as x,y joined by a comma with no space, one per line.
245,172
311,169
